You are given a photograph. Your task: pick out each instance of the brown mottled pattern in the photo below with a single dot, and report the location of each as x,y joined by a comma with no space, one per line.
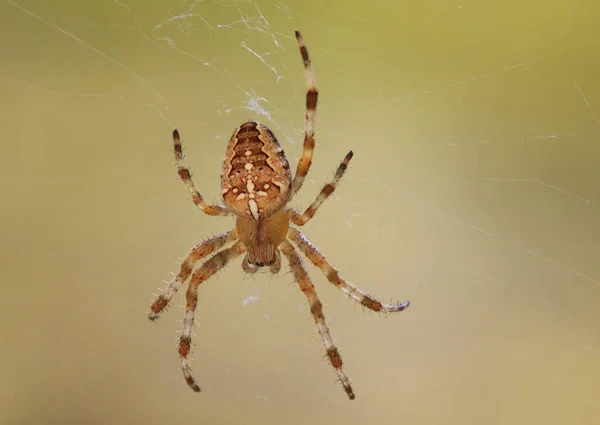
269,171
248,140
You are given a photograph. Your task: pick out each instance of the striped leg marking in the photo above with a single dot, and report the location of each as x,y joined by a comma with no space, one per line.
198,252
319,260
316,308
328,189
186,177
216,263
312,95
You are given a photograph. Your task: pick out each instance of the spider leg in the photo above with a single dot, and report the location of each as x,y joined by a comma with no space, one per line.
316,308
186,177
311,109
214,264
328,189
198,252
319,260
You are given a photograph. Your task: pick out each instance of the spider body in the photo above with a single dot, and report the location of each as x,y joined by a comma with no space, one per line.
256,186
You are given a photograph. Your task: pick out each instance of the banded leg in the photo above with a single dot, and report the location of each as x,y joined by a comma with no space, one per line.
186,177
198,252
316,308
312,95
319,260
213,265
328,189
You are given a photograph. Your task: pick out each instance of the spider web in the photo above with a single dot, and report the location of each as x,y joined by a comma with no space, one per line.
473,192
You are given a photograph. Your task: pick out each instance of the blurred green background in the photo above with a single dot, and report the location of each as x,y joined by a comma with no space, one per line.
473,192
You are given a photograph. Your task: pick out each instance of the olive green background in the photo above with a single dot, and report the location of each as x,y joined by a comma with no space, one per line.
474,192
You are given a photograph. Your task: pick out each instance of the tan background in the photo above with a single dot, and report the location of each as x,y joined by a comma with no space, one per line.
474,192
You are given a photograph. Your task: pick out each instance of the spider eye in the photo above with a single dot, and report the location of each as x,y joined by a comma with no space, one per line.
259,264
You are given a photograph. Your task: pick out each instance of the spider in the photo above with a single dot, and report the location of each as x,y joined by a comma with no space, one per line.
256,186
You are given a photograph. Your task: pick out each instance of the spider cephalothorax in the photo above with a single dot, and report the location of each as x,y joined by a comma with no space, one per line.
257,185
262,238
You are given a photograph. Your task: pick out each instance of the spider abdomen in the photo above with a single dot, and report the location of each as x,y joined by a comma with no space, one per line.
256,178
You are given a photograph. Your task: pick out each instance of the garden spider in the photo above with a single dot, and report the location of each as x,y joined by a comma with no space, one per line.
256,186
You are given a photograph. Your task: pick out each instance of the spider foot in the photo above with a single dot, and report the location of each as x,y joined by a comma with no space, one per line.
187,374
378,307
345,381
157,307
153,316
184,350
398,307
